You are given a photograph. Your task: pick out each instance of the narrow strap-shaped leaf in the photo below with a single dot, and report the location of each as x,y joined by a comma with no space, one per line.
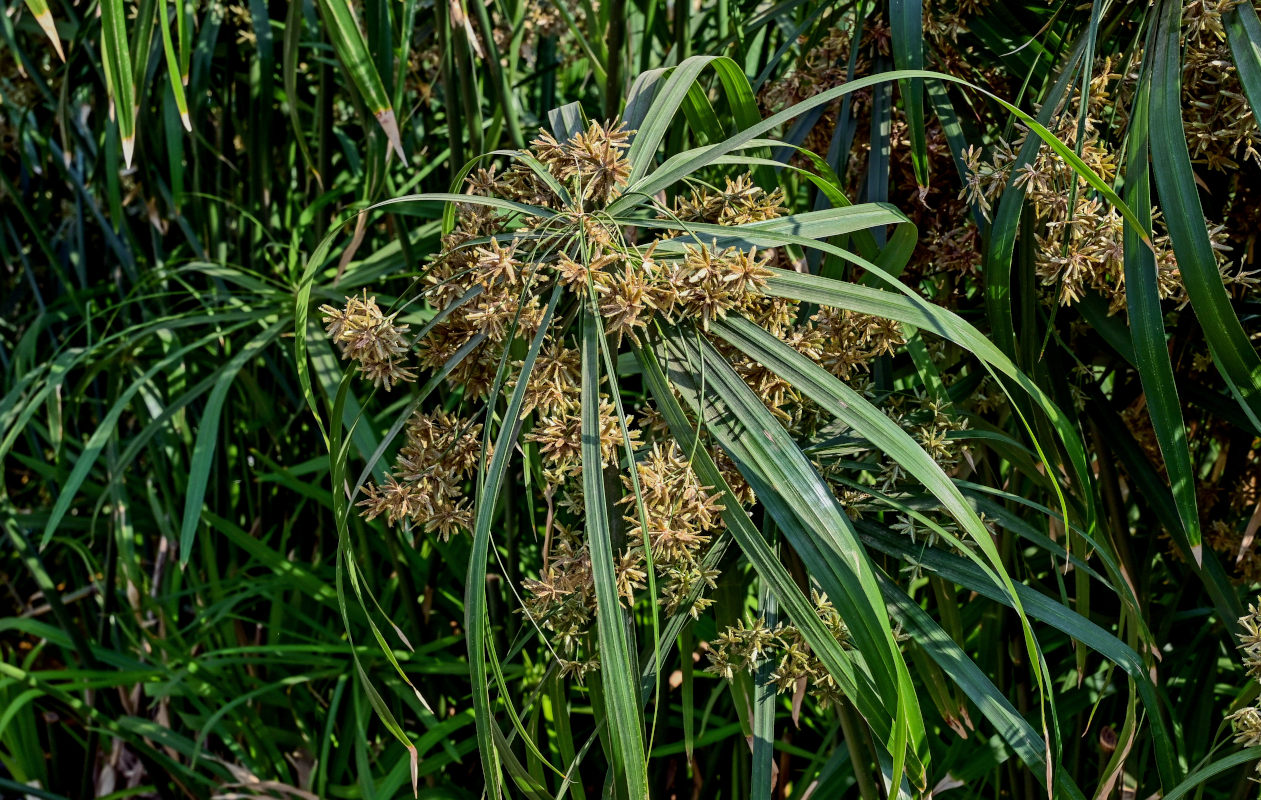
1007,721
850,407
489,482
352,50
805,228
855,682
1045,609
687,646
765,700
118,76
1147,332
933,319
1233,353
996,263
208,437
658,118
567,121
942,322
45,19
184,35
670,96
562,730
875,188
289,75
173,66
1243,31
140,22
1196,780
640,96
617,664
1159,502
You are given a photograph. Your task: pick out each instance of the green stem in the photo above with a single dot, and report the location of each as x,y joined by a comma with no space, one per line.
616,39
852,731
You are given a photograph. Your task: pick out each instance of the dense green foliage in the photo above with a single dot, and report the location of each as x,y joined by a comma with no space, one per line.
986,388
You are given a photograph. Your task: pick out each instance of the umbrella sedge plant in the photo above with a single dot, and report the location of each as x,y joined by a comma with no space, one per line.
634,344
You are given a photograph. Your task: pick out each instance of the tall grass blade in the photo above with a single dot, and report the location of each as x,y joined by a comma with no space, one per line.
1195,781
352,50
208,437
173,66
46,23
108,427
1147,330
1233,353
118,73
490,482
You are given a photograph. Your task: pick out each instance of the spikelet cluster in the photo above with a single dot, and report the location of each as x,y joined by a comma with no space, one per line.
1220,127
426,486
562,599
949,242
1237,548
741,648
1080,243
739,202
819,68
1229,495
365,335
676,517
1246,722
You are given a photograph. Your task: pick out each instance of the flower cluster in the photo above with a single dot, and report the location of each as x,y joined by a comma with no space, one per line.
426,486
739,202
1247,720
742,647
1220,127
820,68
562,599
1080,247
367,336
1238,552
676,516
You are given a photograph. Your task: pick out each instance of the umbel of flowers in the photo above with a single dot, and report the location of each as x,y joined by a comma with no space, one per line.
490,285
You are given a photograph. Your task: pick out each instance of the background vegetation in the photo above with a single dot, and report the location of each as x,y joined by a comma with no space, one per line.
193,610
